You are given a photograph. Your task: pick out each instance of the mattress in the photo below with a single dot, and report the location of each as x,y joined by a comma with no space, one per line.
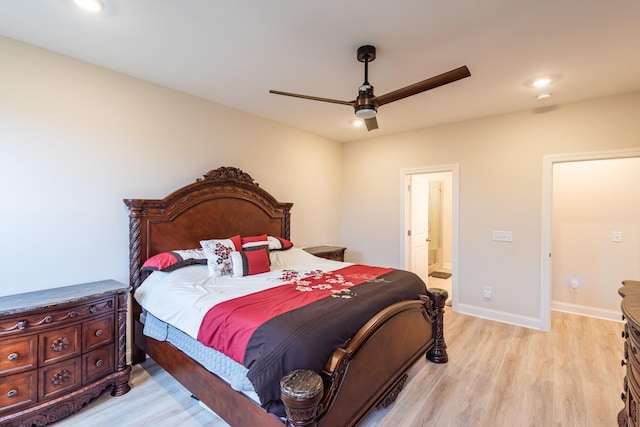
214,361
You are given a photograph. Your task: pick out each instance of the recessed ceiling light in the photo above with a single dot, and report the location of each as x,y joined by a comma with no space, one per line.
541,82
90,5
543,96
357,123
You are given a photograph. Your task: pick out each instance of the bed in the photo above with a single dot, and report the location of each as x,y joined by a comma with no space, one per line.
366,373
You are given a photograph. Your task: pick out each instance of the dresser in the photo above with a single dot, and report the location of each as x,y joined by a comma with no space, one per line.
630,293
59,349
335,253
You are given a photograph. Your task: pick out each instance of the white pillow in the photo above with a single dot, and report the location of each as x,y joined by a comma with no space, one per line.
218,252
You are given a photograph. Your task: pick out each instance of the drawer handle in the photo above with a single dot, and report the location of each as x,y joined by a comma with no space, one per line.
99,332
12,393
99,363
13,356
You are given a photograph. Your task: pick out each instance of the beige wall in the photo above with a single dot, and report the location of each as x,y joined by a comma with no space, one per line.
500,188
76,139
591,200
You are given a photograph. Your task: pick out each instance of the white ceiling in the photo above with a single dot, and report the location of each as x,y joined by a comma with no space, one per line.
233,52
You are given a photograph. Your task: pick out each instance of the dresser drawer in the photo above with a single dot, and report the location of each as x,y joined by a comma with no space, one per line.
60,378
632,350
96,333
59,344
28,322
97,364
18,390
18,354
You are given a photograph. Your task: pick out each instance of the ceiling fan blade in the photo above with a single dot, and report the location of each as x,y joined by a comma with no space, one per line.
431,83
372,123
313,98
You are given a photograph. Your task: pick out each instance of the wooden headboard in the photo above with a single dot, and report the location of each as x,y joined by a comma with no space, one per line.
224,202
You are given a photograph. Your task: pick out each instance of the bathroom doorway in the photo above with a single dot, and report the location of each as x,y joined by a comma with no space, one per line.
430,224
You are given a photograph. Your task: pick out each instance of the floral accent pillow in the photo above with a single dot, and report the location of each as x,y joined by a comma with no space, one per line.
218,253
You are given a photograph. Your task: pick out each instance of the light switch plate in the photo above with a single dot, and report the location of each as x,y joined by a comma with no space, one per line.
502,236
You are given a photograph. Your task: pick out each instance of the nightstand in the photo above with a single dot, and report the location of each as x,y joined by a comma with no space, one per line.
335,253
61,348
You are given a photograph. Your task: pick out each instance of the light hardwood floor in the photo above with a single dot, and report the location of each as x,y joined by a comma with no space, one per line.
497,375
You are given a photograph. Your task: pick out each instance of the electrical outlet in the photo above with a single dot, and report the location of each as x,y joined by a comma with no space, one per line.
486,292
502,236
616,236
574,283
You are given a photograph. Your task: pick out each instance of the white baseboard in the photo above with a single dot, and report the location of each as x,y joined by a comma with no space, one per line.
500,316
535,323
600,313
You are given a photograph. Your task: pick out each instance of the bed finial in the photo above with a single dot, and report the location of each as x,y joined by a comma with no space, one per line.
227,173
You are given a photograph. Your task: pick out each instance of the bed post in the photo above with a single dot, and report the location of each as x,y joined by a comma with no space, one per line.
301,391
135,262
438,354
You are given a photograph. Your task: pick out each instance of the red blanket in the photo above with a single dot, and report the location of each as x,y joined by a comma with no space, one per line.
299,324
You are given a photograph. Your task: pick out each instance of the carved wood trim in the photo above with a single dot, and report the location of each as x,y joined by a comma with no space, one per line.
393,394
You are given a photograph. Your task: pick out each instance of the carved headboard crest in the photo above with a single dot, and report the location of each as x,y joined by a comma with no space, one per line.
226,173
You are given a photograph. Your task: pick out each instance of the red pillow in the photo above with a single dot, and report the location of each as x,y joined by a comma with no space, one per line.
169,261
248,263
253,239
279,244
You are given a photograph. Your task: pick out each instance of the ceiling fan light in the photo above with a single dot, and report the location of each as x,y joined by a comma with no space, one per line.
365,111
90,5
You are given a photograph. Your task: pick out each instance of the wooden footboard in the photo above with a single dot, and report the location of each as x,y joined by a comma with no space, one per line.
367,374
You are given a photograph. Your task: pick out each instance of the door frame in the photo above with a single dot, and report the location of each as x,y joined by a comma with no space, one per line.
455,172
546,232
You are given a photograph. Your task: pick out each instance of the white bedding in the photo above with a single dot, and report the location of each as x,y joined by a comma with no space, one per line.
183,297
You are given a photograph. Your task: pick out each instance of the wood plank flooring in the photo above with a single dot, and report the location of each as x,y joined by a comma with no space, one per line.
497,375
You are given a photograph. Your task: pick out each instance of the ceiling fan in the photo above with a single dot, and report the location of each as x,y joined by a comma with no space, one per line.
366,104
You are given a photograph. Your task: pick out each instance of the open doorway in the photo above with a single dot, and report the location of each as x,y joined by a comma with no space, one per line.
587,252
430,218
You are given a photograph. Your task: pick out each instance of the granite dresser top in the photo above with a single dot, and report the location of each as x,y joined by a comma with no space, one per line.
19,303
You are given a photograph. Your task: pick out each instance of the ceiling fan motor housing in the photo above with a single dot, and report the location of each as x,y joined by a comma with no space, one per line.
366,104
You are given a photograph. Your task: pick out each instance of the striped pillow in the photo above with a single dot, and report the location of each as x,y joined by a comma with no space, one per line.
278,243
246,263
169,261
